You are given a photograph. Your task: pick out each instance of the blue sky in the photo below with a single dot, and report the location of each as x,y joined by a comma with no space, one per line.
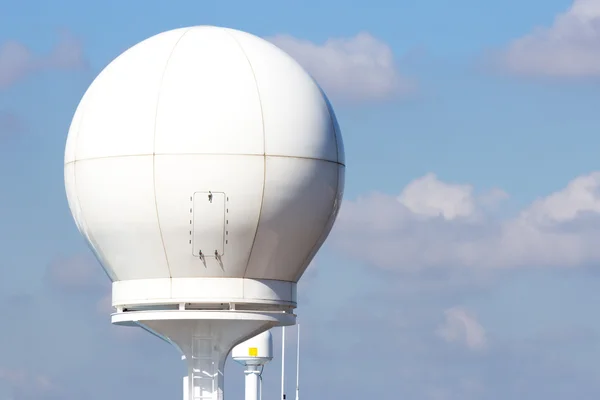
464,261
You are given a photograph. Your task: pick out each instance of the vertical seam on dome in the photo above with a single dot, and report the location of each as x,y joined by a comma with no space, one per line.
162,78
312,253
262,116
88,235
332,119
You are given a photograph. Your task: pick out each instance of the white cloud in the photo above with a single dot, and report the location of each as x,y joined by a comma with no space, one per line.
17,61
437,224
430,197
581,196
357,68
461,326
568,48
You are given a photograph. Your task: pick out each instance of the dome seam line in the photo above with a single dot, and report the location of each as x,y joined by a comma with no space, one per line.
314,249
162,78
332,119
262,116
112,275
208,154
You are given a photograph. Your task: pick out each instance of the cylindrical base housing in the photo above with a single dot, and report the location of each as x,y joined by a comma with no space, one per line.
204,294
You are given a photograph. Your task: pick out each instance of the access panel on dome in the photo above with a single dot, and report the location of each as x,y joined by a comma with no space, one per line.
209,224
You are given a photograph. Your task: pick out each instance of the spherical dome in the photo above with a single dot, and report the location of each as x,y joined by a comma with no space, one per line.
204,152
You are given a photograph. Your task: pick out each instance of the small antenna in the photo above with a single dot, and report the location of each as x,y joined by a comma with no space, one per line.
283,363
298,364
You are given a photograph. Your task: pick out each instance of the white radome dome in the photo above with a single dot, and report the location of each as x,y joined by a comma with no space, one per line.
204,139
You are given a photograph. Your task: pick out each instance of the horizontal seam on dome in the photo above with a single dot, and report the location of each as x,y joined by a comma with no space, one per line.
207,154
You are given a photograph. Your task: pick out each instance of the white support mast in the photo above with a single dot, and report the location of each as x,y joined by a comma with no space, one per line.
254,353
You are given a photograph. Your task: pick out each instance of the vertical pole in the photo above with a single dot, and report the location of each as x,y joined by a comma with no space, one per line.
283,363
298,364
186,389
252,383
